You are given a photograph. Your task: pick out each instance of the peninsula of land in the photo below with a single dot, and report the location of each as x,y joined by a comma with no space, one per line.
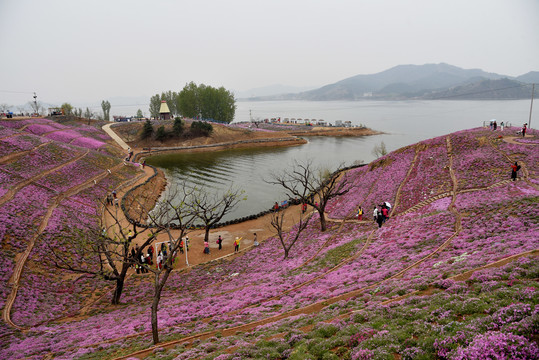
229,136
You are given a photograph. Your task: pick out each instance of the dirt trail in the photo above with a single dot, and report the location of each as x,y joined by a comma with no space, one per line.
13,190
324,303
512,140
15,155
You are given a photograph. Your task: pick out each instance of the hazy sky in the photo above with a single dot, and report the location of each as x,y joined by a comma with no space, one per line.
84,51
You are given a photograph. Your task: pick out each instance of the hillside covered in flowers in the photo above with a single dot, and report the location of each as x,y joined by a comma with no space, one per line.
452,274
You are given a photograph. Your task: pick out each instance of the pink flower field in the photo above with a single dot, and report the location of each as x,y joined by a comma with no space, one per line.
450,275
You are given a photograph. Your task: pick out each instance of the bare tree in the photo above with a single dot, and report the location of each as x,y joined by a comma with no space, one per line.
210,207
36,106
313,186
5,107
101,249
175,209
288,240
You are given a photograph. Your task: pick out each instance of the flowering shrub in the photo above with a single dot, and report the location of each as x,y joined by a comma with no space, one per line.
496,345
378,291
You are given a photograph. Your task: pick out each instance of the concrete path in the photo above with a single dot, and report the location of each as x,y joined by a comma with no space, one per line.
113,135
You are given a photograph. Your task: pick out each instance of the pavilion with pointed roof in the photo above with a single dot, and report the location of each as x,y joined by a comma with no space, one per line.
164,111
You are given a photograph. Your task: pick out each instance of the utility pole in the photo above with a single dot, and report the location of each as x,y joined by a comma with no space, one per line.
531,107
35,102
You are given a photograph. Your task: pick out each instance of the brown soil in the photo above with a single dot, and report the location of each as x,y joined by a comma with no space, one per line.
130,133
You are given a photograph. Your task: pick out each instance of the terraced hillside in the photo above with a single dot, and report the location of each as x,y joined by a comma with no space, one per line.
48,170
451,275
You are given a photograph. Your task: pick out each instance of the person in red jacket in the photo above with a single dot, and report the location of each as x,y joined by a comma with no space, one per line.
514,169
385,213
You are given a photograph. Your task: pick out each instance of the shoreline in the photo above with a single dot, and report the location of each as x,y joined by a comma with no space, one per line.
241,144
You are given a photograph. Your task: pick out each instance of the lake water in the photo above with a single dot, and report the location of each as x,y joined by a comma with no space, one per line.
403,122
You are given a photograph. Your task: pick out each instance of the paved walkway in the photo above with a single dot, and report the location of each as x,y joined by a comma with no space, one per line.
113,135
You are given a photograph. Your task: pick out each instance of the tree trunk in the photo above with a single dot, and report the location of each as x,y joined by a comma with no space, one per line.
118,291
120,281
155,304
322,221
158,287
207,234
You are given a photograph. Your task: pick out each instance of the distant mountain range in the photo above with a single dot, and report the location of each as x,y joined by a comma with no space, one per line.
429,81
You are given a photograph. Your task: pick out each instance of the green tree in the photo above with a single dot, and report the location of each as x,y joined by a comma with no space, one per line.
105,105
188,101
379,150
155,104
177,128
201,128
206,101
67,108
88,114
170,97
147,129
139,114
161,134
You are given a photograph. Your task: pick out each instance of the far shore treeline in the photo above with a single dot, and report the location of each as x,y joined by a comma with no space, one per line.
197,101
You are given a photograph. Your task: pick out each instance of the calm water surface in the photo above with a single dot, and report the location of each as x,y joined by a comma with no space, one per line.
404,123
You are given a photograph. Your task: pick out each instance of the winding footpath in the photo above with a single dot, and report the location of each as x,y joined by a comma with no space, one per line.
317,306
21,258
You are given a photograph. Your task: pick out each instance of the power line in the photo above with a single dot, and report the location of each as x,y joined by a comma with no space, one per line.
16,92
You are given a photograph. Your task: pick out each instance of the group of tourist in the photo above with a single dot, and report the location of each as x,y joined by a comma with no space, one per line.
146,260
129,154
524,128
381,213
112,198
494,125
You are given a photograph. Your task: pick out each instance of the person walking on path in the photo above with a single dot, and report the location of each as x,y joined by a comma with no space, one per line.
375,214
514,168
181,246
206,247
150,251
385,213
379,218
524,129
143,264
501,126
255,241
359,213
220,242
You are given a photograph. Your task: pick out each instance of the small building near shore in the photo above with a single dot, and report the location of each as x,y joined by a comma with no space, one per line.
164,111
